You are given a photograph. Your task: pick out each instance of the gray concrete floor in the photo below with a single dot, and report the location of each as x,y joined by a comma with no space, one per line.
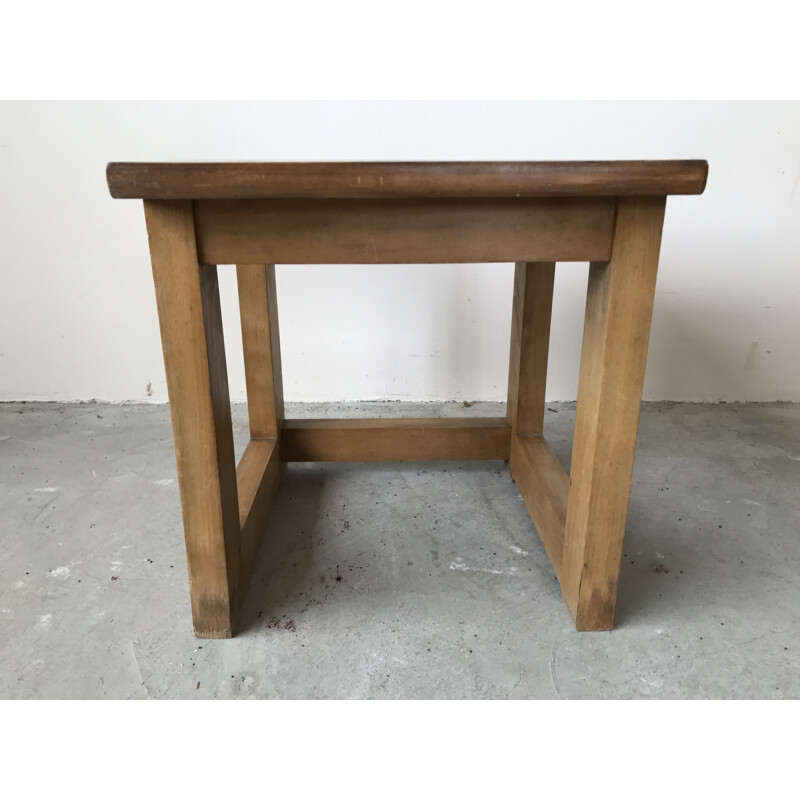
445,590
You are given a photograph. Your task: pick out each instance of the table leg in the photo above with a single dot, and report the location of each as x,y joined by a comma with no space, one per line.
258,307
261,467
530,341
616,330
534,467
187,294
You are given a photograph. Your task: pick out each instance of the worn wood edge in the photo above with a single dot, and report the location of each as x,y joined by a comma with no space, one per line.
192,181
544,486
435,439
258,475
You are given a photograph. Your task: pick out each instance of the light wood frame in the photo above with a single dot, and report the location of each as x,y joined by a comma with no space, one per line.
580,517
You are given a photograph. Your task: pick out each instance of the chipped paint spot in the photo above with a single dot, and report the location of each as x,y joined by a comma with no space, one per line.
164,482
48,489
44,620
19,584
752,502
518,550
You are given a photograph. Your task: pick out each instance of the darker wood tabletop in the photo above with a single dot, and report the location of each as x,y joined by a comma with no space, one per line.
443,179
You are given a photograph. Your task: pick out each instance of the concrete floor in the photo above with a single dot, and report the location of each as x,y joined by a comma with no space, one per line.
445,590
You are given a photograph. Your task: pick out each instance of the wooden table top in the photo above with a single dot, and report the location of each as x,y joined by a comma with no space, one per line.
434,179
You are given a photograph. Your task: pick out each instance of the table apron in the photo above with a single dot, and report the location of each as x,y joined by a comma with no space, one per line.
397,231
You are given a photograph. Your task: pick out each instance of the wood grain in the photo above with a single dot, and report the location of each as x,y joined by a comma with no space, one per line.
244,180
259,472
187,296
395,439
544,487
258,476
403,231
616,330
530,342
258,308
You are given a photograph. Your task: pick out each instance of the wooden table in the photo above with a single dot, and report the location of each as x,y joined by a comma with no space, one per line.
255,215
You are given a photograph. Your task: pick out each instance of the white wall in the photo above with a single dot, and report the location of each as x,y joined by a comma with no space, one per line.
77,311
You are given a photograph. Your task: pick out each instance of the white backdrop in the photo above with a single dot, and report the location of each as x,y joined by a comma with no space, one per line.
77,310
